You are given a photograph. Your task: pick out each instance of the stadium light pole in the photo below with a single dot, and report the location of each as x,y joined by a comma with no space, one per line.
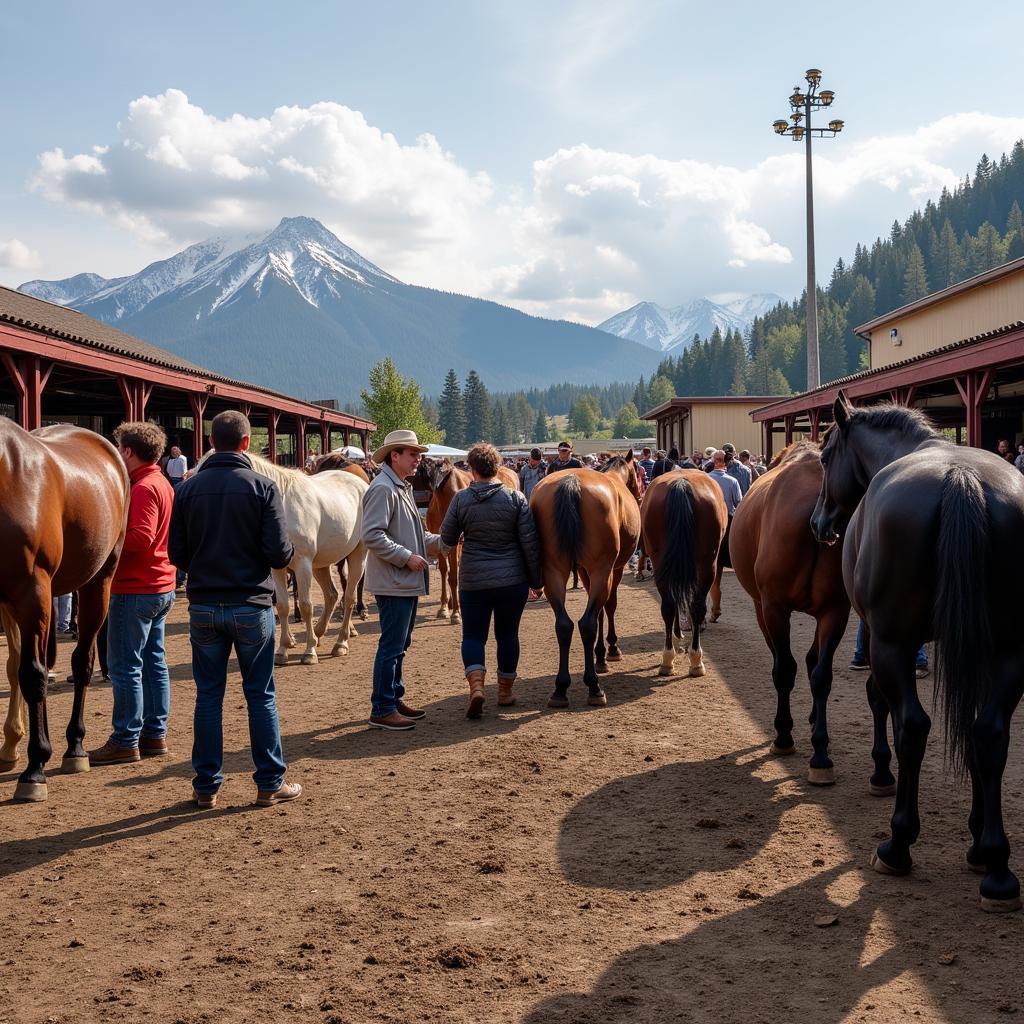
802,103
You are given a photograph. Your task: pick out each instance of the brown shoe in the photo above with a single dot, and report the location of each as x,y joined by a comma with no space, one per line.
505,698
415,714
110,753
153,746
204,801
476,692
287,791
394,722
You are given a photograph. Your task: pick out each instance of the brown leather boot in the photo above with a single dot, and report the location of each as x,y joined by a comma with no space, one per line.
505,698
476,692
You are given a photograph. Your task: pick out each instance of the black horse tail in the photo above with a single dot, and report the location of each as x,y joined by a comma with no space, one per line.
568,521
963,640
676,574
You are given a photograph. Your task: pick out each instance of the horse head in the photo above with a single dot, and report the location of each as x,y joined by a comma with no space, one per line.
624,467
841,484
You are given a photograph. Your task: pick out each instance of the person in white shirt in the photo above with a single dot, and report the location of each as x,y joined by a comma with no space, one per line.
176,468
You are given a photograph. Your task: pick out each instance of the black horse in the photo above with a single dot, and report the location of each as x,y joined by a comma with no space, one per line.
933,551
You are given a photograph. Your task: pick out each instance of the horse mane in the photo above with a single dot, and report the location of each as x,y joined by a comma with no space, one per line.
889,416
614,463
332,460
797,450
284,476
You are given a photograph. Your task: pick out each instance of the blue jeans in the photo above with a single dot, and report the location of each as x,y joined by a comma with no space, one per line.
214,629
397,621
506,604
859,654
138,671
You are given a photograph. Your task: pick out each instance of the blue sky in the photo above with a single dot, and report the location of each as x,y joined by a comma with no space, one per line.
567,158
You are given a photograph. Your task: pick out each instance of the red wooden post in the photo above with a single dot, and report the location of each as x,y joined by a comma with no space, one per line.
127,389
973,388
197,400
300,441
768,434
325,437
273,417
815,415
14,370
245,408
142,393
790,423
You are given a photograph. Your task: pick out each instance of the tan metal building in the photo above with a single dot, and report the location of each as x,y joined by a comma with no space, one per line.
692,424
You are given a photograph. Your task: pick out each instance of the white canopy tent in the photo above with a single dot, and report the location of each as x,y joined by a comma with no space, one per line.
440,451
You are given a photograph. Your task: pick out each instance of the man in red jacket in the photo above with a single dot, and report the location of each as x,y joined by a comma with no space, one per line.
140,598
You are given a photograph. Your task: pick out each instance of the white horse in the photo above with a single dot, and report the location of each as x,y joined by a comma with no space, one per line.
324,517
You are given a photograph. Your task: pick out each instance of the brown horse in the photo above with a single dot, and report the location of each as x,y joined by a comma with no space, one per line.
588,518
684,519
63,511
785,570
445,480
509,478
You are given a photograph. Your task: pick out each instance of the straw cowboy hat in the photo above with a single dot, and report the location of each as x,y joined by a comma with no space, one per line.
398,439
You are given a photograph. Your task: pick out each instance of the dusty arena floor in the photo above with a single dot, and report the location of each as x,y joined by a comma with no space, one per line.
648,861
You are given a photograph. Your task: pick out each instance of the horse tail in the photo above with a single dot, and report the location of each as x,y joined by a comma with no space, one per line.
676,574
568,520
963,641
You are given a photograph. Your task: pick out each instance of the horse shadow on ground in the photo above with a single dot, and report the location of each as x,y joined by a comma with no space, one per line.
812,950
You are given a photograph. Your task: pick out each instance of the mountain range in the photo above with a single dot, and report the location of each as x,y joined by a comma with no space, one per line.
299,311
664,329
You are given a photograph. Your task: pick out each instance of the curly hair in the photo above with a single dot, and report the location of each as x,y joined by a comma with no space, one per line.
484,460
146,440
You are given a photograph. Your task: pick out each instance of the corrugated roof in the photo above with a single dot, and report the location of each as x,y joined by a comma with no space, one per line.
70,325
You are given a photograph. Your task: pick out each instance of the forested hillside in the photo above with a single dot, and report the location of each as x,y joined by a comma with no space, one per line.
973,228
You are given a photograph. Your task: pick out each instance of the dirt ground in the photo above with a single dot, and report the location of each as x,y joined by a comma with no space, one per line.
648,861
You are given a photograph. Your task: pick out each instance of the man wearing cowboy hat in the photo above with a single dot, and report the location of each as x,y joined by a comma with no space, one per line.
397,573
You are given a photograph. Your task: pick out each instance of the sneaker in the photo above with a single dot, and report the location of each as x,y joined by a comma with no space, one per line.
110,753
394,722
287,791
204,801
413,714
860,664
153,746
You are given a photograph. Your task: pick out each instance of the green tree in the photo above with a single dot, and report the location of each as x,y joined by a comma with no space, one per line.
393,402
500,433
948,262
452,412
915,281
1015,248
541,431
659,390
585,415
859,310
478,409
628,423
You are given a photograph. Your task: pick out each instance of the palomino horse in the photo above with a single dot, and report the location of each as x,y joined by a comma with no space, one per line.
684,519
324,519
445,480
588,518
785,570
63,512
934,542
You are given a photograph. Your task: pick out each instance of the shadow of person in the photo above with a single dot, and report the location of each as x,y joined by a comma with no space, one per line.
659,828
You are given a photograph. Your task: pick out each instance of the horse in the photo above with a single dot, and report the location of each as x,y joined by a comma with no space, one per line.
934,542
783,568
444,480
589,518
509,478
683,519
63,515
324,519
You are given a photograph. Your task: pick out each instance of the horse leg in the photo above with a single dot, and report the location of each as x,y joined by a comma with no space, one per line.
599,586
93,600
990,740
893,668
600,651
670,616
882,782
554,590
34,612
357,558
358,554
14,725
442,565
360,602
698,613
283,603
716,593
304,581
829,634
776,625
614,653
297,614
454,566
325,581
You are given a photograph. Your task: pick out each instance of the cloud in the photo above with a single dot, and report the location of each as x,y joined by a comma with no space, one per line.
16,255
595,231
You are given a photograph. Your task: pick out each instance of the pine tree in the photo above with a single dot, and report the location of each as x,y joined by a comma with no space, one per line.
915,281
1015,220
949,262
859,310
452,412
540,427
393,403
499,424
660,390
477,404
1015,248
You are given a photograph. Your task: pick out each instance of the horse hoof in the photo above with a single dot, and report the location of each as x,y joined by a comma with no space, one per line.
456,618
1000,906
280,659
887,790
597,700
615,656
782,751
310,659
339,649
442,613
601,668
291,643
698,670
886,869
555,701
978,869
715,616
821,776
665,670
7,765
74,765
363,616
30,792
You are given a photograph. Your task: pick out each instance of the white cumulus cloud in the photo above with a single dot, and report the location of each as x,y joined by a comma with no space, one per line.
16,255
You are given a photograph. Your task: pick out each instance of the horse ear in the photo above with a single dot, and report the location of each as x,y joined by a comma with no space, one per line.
841,410
629,455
